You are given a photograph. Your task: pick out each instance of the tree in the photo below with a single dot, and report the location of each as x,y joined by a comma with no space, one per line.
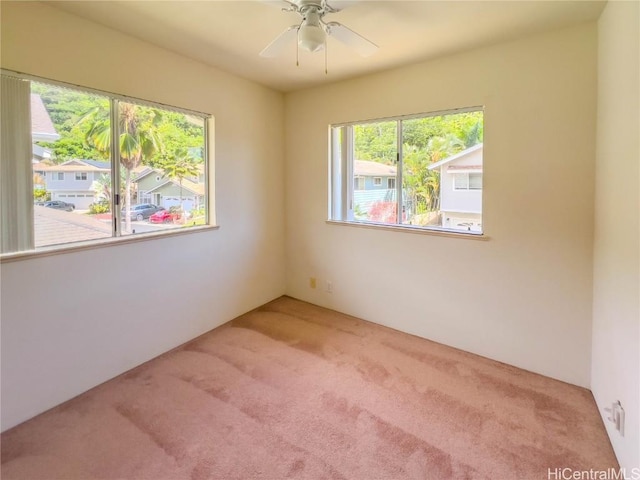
422,185
102,187
179,166
138,141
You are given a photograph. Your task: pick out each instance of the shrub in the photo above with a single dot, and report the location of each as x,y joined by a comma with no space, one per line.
103,206
41,195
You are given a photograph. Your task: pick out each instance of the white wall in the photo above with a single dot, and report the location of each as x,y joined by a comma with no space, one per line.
616,303
140,299
525,296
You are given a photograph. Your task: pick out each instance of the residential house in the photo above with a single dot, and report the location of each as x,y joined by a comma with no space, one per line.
551,286
368,175
72,180
461,189
154,187
372,182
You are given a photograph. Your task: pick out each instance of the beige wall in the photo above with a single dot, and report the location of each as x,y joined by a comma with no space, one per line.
525,296
141,299
616,303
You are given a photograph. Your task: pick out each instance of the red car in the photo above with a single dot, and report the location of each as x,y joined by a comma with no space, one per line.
164,216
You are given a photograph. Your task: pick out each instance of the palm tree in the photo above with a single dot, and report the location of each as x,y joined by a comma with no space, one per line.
102,187
422,184
138,140
179,166
473,135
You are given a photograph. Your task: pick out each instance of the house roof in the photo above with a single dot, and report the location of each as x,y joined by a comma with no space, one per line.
457,156
54,227
97,163
144,170
195,188
75,166
42,128
464,168
366,168
41,152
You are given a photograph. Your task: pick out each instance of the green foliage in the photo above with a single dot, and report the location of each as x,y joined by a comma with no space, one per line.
178,165
197,213
376,142
103,206
41,195
66,107
82,120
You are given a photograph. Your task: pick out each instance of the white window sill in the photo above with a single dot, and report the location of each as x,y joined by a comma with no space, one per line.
413,229
106,242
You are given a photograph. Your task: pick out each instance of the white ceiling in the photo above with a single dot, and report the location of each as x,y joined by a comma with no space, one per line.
230,34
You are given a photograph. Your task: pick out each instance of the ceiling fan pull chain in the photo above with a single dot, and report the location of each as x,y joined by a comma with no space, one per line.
326,47
298,48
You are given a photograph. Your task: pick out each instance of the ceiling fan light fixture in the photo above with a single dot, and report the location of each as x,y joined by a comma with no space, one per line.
312,32
311,37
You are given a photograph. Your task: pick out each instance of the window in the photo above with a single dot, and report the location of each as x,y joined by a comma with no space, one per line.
433,165
467,181
73,132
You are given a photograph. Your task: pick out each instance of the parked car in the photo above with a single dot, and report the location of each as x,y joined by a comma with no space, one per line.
59,205
142,211
165,216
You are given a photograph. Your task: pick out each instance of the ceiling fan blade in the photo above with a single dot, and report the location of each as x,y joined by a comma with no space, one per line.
284,5
280,42
352,39
339,5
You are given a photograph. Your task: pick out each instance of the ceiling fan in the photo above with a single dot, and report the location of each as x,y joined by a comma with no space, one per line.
312,32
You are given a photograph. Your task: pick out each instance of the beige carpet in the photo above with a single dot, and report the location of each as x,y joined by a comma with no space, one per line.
296,391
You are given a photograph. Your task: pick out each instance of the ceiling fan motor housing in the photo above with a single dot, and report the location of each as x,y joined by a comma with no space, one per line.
311,35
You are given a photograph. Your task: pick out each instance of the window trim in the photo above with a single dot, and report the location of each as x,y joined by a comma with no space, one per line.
67,248
346,197
436,231
377,181
116,238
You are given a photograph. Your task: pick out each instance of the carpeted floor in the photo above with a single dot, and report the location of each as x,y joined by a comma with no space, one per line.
292,390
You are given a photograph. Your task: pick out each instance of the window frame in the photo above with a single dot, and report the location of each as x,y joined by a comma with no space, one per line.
83,176
340,190
116,206
468,188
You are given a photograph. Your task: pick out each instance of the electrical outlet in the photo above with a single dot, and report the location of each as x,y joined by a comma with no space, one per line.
312,282
616,416
329,287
